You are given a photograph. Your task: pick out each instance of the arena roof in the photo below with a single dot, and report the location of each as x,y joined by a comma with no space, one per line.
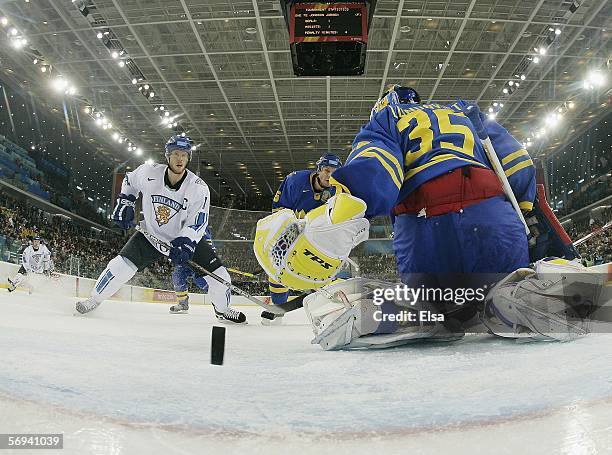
224,68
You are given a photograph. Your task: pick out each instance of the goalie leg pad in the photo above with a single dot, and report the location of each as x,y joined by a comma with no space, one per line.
344,316
542,306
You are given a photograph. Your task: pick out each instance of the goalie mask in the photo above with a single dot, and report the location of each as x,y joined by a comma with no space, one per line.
394,96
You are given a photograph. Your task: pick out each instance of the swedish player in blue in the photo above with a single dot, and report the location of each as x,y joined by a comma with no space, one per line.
433,175
302,191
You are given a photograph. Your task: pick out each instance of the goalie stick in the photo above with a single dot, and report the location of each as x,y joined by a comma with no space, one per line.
593,234
276,309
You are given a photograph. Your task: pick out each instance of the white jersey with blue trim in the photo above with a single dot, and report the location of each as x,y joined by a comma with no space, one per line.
169,213
36,261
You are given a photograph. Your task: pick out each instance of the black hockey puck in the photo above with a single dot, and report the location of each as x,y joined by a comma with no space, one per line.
217,345
268,315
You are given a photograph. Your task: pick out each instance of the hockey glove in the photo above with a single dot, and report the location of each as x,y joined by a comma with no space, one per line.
182,250
123,215
308,254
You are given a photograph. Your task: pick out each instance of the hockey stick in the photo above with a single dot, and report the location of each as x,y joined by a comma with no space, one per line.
498,169
593,234
240,272
276,309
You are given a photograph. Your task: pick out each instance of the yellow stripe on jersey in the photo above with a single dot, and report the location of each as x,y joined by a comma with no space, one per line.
514,155
378,153
360,144
340,188
518,167
436,160
526,206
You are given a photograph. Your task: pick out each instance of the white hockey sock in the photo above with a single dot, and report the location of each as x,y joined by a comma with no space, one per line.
118,272
18,279
219,293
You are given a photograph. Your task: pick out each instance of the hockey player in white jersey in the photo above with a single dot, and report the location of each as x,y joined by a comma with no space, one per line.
175,205
36,258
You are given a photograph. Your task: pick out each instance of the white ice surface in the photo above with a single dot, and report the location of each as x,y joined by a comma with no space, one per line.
133,379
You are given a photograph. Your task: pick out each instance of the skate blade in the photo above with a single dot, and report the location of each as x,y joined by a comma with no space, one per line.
228,322
269,322
179,312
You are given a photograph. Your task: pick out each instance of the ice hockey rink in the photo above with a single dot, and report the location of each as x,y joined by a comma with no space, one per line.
131,378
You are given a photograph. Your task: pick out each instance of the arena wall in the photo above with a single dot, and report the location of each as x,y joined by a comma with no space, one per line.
74,286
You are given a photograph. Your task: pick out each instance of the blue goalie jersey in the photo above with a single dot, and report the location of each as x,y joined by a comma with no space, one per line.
404,146
298,194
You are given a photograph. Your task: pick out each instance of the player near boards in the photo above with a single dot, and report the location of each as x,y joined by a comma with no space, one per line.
301,192
175,205
429,171
35,259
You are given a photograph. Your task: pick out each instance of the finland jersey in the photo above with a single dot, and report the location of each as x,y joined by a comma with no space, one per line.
36,261
169,213
297,193
404,146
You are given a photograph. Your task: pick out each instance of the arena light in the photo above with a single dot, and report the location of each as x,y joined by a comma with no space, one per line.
146,86
115,54
134,81
492,116
18,43
581,181
557,31
115,136
138,151
99,121
536,59
121,63
151,94
505,90
99,35
571,105
3,21
596,78
542,50
59,83
522,77
13,31
149,161
43,68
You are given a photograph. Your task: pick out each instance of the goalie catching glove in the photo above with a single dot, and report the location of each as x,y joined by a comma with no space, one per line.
308,254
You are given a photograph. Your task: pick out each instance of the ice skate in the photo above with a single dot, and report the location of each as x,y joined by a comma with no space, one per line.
230,316
86,306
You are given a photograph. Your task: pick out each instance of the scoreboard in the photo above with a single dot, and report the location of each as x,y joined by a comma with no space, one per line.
328,37
317,22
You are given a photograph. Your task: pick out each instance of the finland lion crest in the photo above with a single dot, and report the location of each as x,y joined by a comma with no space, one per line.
165,208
